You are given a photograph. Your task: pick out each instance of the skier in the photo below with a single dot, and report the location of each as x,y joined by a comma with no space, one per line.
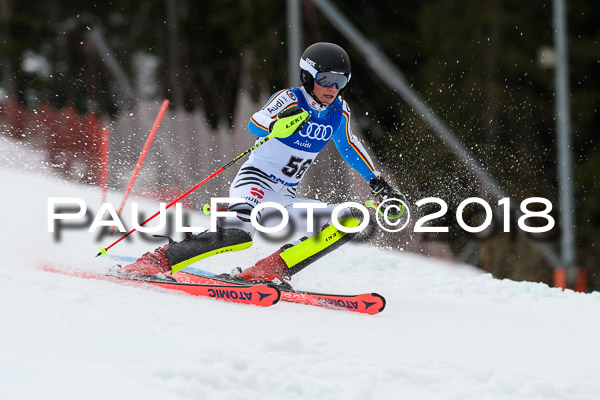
300,121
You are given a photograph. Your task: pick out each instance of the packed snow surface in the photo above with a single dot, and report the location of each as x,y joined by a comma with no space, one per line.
448,331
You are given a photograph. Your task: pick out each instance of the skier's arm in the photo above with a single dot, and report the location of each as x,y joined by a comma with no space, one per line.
262,119
352,150
355,154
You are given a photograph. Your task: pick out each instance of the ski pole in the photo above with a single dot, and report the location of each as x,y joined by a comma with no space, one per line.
103,250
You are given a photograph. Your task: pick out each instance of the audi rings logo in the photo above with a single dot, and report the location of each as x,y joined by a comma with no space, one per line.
317,131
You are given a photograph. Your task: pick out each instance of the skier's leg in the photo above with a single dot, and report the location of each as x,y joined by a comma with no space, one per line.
236,234
255,187
292,258
178,255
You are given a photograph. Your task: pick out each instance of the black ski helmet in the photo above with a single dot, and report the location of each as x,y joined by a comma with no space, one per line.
323,57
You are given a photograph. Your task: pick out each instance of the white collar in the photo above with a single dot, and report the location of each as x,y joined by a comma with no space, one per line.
315,105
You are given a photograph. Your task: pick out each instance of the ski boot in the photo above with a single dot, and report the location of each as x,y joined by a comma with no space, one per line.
292,258
149,264
269,269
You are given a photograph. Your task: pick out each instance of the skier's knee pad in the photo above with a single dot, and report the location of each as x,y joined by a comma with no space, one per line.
310,250
206,244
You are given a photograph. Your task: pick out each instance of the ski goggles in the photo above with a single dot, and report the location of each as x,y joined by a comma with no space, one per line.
330,78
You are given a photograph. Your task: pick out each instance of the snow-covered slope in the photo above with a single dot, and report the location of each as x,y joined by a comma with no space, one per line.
448,331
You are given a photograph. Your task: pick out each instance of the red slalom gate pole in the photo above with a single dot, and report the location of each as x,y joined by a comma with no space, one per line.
104,172
136,171
103,250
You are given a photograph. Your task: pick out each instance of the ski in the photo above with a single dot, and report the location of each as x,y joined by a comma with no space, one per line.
368,303
228,288
260,295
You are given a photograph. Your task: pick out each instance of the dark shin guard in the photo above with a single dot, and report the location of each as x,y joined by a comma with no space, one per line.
206,244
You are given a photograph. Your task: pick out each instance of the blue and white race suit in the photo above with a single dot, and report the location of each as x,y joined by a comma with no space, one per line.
275,169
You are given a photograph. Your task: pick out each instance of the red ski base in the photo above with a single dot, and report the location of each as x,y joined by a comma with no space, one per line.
232,289
369,303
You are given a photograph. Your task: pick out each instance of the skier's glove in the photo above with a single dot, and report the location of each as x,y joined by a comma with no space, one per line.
288,122
381,189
